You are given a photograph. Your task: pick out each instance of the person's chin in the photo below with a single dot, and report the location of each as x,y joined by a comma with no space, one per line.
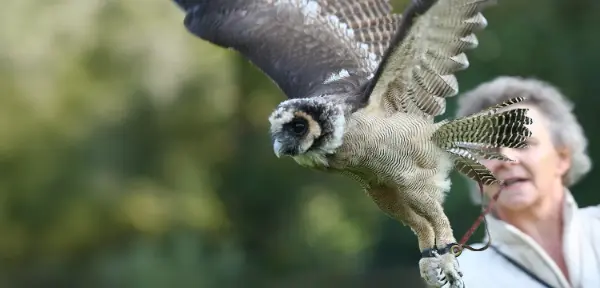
516,199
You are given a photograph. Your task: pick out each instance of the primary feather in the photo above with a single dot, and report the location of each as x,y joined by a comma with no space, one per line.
308,48
421,63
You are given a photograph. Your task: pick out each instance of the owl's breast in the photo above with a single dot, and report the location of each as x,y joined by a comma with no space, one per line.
389,149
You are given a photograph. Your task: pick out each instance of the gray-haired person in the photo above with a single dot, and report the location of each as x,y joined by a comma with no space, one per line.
540,237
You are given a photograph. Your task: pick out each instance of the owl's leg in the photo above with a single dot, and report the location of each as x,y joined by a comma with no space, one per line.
428,206
420,226
429,265
395,205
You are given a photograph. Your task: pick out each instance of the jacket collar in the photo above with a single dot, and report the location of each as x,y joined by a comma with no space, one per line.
523,249
507,234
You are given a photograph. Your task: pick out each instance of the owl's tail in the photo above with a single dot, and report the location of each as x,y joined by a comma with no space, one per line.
477,136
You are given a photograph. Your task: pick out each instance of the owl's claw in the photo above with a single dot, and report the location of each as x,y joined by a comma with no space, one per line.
438,270
449,265
442,277
431,272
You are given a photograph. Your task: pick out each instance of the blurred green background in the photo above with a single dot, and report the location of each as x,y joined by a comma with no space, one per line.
133,154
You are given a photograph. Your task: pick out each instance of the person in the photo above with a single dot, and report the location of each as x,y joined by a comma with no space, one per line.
539,235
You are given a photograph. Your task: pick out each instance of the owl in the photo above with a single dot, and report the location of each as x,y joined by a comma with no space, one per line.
363,87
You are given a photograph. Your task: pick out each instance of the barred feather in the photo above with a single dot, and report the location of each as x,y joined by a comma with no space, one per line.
495,108
486,130
468,165
425,60
480,151
308,48
476,136
371,20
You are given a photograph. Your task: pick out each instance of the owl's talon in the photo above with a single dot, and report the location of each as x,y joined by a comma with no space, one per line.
431,272
449,265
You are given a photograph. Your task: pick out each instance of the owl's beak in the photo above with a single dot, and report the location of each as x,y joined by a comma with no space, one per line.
277,148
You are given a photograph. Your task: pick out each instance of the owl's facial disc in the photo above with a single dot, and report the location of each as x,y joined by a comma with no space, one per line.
299,126
297,135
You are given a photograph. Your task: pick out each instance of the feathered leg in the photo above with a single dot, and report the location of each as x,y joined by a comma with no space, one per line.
426,204
429,264
394,204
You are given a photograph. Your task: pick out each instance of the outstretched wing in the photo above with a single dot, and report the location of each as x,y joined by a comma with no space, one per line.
417,73
307,47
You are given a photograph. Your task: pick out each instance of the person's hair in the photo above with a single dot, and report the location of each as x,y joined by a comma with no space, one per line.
564,128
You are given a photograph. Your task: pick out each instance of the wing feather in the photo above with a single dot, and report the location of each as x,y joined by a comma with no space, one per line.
371,20
424,59
467,164
307,47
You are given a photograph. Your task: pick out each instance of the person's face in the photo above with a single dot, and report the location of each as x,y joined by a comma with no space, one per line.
538,171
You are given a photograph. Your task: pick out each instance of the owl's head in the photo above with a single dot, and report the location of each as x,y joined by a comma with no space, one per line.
309,126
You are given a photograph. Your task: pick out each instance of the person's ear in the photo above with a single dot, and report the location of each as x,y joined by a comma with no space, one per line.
564,160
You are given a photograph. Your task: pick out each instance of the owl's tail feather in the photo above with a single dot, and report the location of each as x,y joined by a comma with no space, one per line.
477,136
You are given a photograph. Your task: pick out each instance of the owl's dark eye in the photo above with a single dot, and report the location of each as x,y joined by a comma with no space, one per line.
299,126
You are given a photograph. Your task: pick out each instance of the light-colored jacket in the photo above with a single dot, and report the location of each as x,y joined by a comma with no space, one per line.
581,248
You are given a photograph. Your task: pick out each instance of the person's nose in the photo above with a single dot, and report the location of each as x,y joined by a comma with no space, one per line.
510,153
495,165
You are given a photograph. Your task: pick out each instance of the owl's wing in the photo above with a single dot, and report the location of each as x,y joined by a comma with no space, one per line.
307,47
417,72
